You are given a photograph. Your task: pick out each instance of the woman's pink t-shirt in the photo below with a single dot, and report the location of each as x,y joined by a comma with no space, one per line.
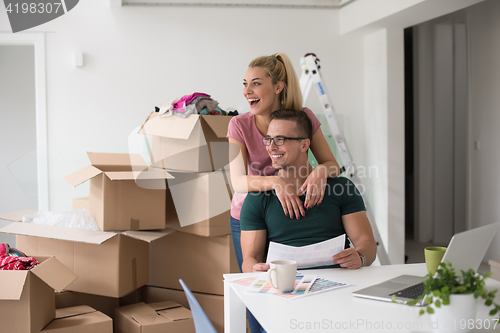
242,128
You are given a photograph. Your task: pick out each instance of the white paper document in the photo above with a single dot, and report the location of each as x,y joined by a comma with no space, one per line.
314,255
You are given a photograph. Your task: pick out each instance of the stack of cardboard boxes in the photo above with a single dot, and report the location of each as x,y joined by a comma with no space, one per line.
160,223
195,152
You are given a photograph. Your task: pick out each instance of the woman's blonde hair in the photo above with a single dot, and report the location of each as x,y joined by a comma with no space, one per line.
280,68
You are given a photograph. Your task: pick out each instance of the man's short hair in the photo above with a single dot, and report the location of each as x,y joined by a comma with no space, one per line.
301,119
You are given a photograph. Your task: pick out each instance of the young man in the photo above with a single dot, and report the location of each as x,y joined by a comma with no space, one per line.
341,211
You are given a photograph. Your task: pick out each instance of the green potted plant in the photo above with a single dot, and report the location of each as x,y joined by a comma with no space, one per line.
453,297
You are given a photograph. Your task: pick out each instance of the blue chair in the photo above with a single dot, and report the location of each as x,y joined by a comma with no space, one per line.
201,322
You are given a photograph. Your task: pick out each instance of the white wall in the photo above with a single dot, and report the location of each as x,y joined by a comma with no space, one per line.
485,117
136,58
371,98
375,114
484,37
372,144
482,122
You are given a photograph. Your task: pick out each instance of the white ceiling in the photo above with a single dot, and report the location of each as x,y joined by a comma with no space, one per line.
236,3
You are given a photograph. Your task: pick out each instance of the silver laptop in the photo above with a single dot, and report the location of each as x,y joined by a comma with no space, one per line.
466,250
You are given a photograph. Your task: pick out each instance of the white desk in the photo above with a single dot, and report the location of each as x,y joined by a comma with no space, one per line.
335,310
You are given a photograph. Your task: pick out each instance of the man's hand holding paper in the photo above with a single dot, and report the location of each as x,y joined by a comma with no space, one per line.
314,255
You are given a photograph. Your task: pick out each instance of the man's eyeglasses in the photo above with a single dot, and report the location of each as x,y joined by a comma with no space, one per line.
278,141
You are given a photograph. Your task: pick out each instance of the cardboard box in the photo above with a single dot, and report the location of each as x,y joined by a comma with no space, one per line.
212,305
18,215
197,143
27,296
79,319
154,317
107,263
104,304
209,192
124,193
199,261
82,203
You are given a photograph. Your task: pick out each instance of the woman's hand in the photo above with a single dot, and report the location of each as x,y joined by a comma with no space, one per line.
314,187
286,193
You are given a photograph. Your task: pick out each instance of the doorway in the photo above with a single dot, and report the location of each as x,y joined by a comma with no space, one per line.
23,158
18,172
436,120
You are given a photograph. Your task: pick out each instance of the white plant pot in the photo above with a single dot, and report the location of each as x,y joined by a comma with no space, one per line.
455,316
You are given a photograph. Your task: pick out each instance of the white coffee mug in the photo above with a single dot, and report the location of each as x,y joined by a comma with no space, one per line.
283,278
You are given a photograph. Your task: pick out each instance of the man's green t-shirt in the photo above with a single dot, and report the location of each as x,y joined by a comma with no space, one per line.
263,211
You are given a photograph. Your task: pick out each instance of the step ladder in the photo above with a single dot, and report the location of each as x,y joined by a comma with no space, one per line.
311,75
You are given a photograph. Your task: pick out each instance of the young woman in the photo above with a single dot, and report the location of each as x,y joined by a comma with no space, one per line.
270,84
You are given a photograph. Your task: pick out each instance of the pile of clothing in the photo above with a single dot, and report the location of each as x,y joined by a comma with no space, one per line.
196,103
13,259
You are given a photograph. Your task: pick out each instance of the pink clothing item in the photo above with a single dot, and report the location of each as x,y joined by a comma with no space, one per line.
10,260
242,128
8,263
185,100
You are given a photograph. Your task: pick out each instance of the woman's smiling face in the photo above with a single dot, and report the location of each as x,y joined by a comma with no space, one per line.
262,95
